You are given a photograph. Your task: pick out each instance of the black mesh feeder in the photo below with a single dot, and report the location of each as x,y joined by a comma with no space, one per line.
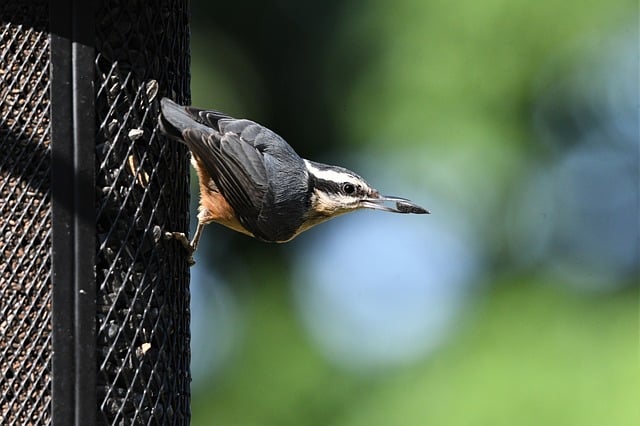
94,303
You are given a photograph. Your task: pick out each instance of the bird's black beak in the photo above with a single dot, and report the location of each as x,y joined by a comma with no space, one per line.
400,205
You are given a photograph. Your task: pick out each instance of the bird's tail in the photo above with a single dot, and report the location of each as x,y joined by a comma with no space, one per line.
175,119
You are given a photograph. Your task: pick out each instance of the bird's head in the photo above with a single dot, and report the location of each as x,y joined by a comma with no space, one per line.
336,190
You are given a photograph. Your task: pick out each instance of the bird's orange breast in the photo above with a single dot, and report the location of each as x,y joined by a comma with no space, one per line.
213,206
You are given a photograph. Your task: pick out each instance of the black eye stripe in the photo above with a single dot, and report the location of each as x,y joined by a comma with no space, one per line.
332,187
327,186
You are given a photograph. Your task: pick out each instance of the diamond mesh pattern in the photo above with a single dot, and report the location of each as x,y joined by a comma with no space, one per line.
143,317
25,215
142,313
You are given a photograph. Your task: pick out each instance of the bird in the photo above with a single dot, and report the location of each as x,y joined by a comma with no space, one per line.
252,181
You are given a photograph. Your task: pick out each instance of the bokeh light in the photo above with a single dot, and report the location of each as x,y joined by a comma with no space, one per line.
378,291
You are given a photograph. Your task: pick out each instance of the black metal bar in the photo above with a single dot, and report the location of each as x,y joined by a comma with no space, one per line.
62,218
73,217
84,165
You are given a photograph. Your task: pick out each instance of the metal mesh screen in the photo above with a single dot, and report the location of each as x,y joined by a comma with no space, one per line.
25,215
142,319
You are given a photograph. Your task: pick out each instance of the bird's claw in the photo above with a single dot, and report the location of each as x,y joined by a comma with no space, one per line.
182,239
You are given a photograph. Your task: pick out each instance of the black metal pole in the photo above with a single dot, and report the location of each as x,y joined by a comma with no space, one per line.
73,218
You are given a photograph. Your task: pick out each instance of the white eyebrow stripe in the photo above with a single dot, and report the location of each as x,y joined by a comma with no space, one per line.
331,175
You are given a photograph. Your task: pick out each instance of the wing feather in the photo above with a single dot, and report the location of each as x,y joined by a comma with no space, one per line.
237,169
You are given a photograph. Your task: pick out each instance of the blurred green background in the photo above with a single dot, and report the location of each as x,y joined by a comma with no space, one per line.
516,301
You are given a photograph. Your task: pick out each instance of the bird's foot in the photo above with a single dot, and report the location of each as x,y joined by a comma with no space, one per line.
182,239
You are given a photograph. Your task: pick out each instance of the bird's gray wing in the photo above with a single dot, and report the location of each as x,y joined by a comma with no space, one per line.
237,169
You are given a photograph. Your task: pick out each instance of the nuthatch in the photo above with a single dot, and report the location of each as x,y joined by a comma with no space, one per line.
253,182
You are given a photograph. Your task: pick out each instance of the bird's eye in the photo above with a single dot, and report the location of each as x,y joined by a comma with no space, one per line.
348,188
